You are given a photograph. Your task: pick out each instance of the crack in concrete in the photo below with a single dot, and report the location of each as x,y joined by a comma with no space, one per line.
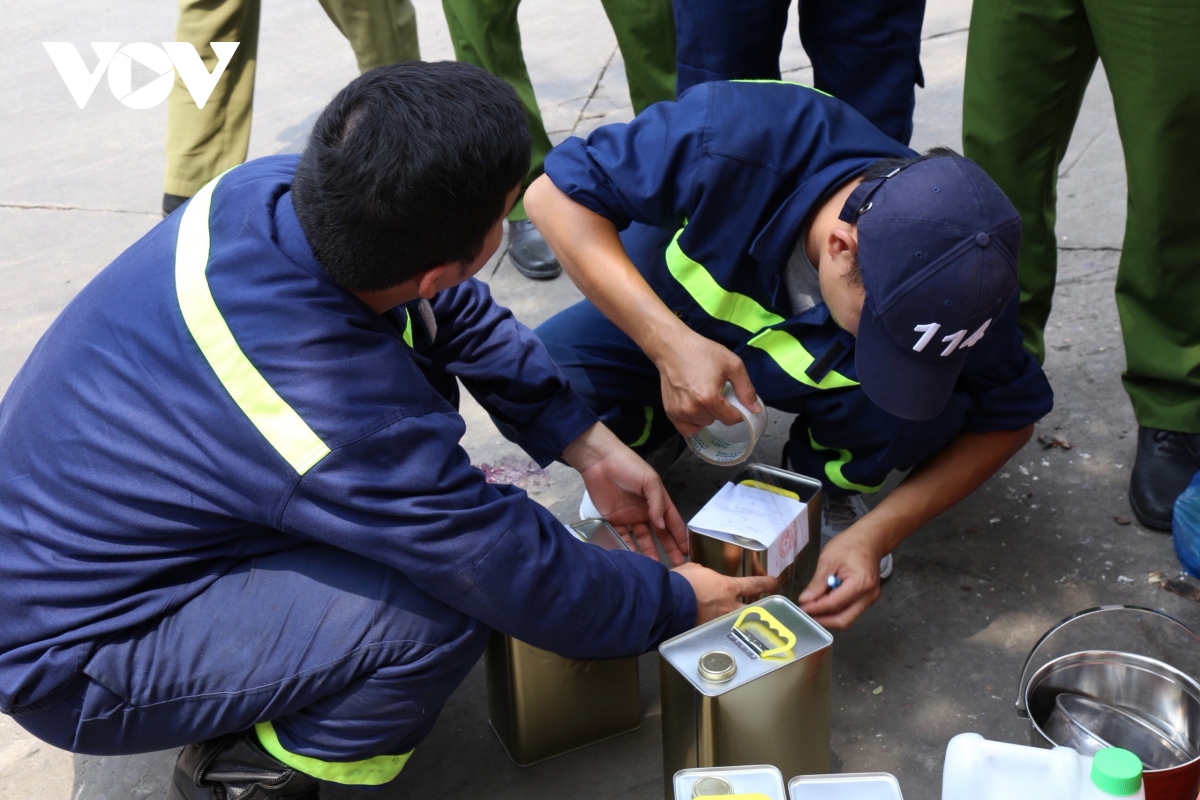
57,207
1086,249
595,88
943,33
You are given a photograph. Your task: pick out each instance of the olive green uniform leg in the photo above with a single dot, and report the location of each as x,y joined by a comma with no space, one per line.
1028,66
486,33
381,32
645,32
1151,53
204,142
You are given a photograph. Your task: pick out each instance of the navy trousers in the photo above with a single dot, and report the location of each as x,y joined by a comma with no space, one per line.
865,52
345,657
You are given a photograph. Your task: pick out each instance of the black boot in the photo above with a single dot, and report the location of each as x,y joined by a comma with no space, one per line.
236,767
1166,462
529,252
172,202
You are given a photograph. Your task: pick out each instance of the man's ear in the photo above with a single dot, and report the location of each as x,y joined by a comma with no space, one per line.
842,243
429,282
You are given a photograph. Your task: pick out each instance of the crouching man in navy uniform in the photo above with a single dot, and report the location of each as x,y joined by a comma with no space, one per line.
766,235
234,512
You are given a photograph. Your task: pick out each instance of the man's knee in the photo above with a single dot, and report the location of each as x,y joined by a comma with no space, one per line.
407,613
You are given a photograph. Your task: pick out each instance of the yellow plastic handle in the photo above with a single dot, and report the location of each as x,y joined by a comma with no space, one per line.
752,796
766,487
773,624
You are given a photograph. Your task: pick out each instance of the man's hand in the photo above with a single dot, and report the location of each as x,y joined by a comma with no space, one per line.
718,594
853,557
931,488
694,371
628,493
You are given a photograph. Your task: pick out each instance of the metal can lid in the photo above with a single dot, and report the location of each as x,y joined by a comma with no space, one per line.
708,786
717,666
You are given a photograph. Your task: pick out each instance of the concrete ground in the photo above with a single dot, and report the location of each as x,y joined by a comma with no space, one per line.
941,651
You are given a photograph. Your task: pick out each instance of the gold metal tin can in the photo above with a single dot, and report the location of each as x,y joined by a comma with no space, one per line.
542,705
737,561
758,782
773,710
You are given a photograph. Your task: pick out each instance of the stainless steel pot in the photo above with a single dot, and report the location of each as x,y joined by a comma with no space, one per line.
1110,673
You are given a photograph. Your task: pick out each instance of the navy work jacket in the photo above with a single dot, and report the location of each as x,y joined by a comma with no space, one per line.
712,194
212,396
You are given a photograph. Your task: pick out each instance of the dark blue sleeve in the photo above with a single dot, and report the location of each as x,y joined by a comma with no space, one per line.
643,171
408,497
507,369
1007,387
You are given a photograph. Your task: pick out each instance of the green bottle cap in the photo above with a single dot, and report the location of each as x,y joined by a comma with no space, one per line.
1117,771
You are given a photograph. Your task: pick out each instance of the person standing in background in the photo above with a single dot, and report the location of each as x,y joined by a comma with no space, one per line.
204,142
866,54
1028,65
485,33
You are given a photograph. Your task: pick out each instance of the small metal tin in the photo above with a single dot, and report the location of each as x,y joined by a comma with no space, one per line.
773,709
847,786
542,705
758,782
737,561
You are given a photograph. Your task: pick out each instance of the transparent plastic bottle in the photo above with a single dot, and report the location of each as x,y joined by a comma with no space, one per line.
977,769
1186,527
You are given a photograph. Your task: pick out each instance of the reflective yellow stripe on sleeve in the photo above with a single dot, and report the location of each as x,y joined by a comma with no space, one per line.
743,311
275,419
368,772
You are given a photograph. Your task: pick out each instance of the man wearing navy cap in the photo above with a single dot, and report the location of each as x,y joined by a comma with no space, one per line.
766,235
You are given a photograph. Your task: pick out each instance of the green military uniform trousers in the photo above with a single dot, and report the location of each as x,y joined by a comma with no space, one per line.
1028,65
485,33
204,142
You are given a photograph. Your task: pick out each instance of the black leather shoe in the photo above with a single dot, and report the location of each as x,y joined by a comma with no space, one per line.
1166,462
236,767
172,202
529,252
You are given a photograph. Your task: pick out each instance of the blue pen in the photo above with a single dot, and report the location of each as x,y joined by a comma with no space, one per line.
833,581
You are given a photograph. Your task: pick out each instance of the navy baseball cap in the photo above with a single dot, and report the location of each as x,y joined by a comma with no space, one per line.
937,247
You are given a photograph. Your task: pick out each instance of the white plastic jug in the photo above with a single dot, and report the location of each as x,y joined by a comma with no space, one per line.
977,769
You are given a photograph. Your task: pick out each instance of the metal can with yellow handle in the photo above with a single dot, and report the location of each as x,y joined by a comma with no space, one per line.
752,686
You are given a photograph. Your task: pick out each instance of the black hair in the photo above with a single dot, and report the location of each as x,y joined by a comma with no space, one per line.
409,167
881,169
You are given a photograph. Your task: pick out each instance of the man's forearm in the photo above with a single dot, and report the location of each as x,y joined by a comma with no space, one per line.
589,249
939,483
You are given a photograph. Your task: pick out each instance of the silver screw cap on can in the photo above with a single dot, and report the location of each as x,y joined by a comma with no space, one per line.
707,787
716,666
